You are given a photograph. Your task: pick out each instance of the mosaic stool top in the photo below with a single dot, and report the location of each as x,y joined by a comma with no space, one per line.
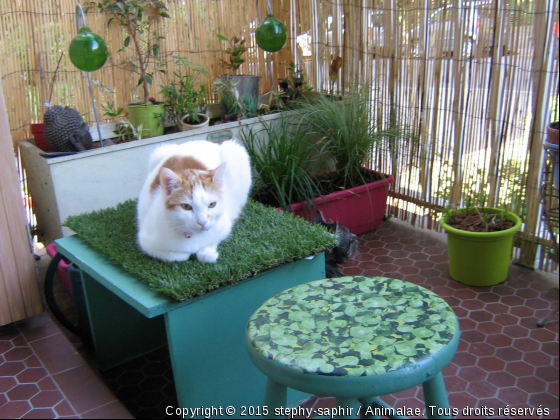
352,326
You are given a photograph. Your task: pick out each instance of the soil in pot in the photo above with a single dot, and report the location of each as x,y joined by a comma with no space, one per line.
474,221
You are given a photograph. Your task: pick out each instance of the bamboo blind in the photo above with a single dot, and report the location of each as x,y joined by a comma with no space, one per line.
473,81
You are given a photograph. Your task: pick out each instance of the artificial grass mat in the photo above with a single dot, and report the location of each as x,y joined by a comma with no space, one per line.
261,239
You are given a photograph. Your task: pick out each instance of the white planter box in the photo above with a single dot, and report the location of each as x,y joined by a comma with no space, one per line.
97,179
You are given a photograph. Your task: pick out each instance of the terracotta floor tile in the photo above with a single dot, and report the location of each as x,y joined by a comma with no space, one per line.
22,392
56,353
482,389
18,354
46,399
113,410
31,375
38,327
513,395
41,413
64,409
14,409
7,383
73,382
11,368
532,385
520,369
501,379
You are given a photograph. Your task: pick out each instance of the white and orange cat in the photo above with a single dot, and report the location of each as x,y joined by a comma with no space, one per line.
192,196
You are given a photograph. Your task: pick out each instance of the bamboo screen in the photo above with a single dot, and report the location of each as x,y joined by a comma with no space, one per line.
473,81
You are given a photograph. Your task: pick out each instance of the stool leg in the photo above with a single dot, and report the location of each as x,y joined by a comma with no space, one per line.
275,397
347,408
435,396
366,403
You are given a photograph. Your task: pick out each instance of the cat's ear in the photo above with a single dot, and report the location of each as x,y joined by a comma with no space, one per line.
218,174
169,180
319,218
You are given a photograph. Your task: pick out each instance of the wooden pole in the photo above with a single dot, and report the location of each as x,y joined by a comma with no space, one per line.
19,289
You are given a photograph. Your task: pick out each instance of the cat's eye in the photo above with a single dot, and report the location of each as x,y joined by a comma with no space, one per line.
212,205
186,206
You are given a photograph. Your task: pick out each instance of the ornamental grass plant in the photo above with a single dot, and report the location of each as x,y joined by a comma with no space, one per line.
345,131
282,154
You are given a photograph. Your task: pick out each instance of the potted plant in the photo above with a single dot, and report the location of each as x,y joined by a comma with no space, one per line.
238,93
344,130
282,156
136,18
293,85
480,244
185,97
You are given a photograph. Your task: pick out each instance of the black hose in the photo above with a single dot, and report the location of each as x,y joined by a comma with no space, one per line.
51,302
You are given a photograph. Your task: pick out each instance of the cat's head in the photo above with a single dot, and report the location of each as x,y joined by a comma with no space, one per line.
347,246
192,197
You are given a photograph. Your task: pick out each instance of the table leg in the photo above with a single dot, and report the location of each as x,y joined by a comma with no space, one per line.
120,333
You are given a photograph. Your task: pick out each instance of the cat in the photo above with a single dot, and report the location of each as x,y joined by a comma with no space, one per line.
346,247
192,196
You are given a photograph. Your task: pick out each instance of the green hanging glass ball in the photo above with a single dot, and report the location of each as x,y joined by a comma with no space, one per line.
88,51
271,34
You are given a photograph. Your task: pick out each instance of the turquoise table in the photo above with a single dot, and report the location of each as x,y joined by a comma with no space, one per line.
205,335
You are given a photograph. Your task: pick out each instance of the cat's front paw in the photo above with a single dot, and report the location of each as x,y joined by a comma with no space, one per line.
207,255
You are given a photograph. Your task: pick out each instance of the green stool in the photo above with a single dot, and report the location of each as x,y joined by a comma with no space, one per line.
354,338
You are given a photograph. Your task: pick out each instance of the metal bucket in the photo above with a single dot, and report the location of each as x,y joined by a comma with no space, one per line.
245,90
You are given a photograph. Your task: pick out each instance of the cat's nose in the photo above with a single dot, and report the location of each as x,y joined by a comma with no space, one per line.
202,223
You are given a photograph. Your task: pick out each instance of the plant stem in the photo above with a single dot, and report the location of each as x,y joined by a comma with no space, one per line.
132,33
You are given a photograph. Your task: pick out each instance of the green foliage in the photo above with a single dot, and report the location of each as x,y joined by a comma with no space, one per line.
230,101
293,85
511,193
261,239
236,50
185,95
281,154
124,129
134,17
345,131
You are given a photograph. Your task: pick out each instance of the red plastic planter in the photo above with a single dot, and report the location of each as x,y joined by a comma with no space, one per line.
360,209
62,269
38,133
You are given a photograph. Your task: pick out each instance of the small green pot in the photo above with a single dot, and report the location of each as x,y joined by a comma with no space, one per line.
149,115
480,258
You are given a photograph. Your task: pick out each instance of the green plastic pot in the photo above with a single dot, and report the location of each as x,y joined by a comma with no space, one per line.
149,115
480,258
